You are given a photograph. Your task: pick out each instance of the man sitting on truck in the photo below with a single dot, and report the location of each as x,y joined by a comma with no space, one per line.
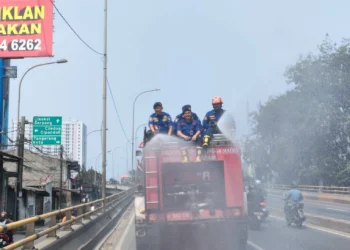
179,117
159,121
212,118
190,130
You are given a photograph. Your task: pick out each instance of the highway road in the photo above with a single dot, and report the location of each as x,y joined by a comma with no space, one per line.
327,209
274,235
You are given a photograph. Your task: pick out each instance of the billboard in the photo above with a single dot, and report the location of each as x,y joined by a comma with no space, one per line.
26,28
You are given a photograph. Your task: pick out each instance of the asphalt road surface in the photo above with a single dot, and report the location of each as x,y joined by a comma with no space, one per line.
276,235
327,209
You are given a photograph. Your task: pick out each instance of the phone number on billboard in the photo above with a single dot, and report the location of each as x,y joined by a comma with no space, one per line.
21,45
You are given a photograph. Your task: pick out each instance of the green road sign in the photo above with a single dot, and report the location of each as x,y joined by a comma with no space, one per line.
47,130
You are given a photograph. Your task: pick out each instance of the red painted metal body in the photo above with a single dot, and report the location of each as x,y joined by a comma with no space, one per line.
155,160
193,200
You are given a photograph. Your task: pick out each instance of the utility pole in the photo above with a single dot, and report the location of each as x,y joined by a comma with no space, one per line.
104,100
20,153
61,177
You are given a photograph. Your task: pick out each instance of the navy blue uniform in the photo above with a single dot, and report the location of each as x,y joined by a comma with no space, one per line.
214,116
189,128
161,122
179,117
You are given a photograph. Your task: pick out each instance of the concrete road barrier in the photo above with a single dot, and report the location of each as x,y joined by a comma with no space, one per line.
88,235
334,198
321,221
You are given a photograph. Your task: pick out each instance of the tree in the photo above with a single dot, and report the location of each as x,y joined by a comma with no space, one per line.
304,134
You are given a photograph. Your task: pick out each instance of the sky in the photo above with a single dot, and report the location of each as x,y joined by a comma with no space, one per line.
192,50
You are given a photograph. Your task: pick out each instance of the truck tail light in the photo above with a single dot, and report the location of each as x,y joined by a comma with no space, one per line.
152,217
236,212
233,212
156,217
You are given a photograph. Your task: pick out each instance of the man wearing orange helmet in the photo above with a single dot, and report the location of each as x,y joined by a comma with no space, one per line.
211,119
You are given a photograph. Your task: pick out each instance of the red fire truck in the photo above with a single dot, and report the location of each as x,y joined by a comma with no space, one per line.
202,202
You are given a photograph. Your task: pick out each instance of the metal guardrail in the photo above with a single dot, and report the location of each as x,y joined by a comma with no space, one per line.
83,212
314,189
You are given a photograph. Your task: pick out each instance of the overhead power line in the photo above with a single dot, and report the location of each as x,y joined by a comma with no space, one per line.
81,39
116,110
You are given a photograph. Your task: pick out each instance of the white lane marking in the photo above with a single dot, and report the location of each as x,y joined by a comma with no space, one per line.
336,209
256,247
323,229
126,232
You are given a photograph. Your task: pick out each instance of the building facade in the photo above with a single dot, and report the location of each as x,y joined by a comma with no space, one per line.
73,141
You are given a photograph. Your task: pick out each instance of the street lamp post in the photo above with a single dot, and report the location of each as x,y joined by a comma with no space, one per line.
20,83
127,157
145,124
133,126
118,147
96,162
85,149
85,140
20,132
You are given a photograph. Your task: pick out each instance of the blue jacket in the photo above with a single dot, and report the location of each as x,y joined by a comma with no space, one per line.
163,121
188,128
294,196
215,116
179,117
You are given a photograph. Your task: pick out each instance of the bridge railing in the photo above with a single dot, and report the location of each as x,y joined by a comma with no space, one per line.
313,189
83,212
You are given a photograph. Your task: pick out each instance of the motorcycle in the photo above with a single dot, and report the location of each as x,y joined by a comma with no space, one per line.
4,238
265,211
255,217
255,220
295,214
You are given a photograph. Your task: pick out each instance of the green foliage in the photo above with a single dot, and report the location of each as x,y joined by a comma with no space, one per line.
304,134
88,176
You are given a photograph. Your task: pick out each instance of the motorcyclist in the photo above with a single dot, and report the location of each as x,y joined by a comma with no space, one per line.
212,118
189,129
293,197
4,218
252,199
179,117
260,190
159,121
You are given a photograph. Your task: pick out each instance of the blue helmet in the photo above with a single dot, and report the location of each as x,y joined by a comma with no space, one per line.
157,104
186,107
